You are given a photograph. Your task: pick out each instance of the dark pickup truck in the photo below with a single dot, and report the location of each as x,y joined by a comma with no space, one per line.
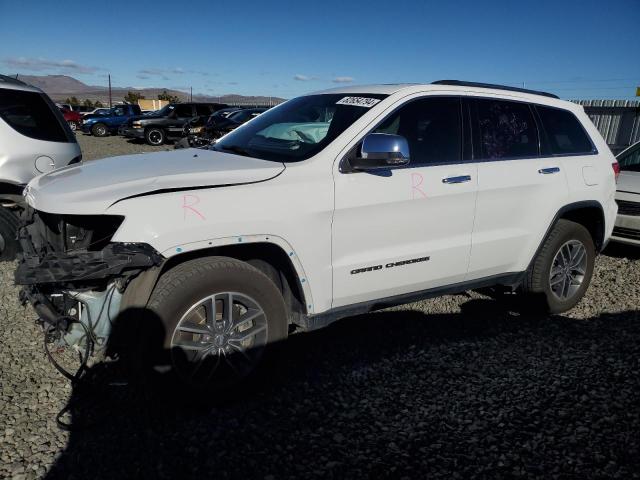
168,123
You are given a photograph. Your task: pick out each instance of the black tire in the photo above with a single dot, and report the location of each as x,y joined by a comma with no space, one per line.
537,282
155,136
99,130
9,245
184,286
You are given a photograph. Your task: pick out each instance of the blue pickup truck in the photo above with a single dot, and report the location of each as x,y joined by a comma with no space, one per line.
103,125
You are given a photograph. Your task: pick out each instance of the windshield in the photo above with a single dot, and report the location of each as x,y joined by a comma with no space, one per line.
164,111
630,161
299,128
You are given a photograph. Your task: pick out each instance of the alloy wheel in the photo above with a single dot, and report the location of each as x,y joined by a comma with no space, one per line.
568,269
220,337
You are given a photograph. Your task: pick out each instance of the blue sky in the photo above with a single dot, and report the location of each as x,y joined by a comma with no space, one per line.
577,49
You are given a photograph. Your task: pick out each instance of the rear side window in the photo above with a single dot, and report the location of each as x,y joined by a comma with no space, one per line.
566,135
30,114
505,130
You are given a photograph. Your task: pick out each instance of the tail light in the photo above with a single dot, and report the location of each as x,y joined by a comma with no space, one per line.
616,170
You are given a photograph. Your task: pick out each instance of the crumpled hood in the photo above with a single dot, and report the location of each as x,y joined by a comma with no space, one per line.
92,187
628,182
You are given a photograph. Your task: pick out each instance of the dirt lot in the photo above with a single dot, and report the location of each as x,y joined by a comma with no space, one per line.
461,386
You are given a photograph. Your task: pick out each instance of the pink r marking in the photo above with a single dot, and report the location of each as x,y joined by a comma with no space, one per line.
190,206
416,182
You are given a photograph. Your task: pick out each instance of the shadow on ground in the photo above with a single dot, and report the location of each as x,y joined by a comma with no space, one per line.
485,393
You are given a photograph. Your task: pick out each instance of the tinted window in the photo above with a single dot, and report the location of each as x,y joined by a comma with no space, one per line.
120,111
630,160
505,129
32,115
183,111
565,134
432,127
203,110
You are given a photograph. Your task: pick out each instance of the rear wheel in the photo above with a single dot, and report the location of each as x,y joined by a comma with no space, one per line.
9,245
562,269
220,316
154,136
99,130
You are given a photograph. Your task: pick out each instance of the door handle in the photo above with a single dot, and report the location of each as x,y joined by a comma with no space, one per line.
547,171
458,179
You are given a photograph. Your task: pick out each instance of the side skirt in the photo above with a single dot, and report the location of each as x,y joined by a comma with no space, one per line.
321,320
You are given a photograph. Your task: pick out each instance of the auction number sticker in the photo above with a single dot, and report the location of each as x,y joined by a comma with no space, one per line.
358,101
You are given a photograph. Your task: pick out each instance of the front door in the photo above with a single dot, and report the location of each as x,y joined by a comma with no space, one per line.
406,229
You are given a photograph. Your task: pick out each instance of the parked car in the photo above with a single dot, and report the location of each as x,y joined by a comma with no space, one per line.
98,111
202,131
103,125
627,228
167,123
34,138
225,112
74,119
329,205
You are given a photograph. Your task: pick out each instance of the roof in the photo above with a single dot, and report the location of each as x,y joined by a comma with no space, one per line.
455,87
15,84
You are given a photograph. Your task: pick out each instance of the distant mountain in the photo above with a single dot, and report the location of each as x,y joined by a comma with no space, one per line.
60,87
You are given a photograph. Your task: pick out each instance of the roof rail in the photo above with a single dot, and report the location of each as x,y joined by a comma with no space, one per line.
13,80
461,83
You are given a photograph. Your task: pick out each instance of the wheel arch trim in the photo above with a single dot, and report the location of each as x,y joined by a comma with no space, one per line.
571,207
203,246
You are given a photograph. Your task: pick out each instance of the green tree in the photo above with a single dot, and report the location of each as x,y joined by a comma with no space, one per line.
167,96
73,101
98,104
87,103
133,97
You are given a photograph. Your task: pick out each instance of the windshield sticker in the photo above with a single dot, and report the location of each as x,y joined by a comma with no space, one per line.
358,101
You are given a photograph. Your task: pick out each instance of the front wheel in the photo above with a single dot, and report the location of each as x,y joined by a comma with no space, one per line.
220,316
562,269
154,136
99,130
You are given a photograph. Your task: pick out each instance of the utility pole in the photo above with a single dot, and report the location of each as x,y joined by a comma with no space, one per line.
191,94
110,105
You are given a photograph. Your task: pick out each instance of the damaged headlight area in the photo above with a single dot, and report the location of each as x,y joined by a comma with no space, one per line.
75,277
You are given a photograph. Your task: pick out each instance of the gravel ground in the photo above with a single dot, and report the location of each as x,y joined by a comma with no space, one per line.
93,148
461,386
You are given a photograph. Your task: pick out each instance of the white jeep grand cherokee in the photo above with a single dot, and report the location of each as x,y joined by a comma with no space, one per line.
329,205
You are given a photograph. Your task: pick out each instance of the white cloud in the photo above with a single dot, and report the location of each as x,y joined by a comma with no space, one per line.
43,64
302,78
343,80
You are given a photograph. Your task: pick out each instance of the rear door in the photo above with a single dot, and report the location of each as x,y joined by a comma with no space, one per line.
520,188
406,229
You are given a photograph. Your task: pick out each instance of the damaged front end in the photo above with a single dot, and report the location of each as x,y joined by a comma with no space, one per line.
74,276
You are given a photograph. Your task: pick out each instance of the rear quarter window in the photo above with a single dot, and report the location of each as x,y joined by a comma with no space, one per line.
565,134
32,115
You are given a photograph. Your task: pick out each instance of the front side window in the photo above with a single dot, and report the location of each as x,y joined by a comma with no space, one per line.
505,130
566,135
432,127
31,114
298,129
203,110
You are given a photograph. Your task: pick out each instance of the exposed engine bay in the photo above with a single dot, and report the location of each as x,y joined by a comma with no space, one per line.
74,277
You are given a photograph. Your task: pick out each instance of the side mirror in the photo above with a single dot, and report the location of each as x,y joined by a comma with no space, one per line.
381,150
